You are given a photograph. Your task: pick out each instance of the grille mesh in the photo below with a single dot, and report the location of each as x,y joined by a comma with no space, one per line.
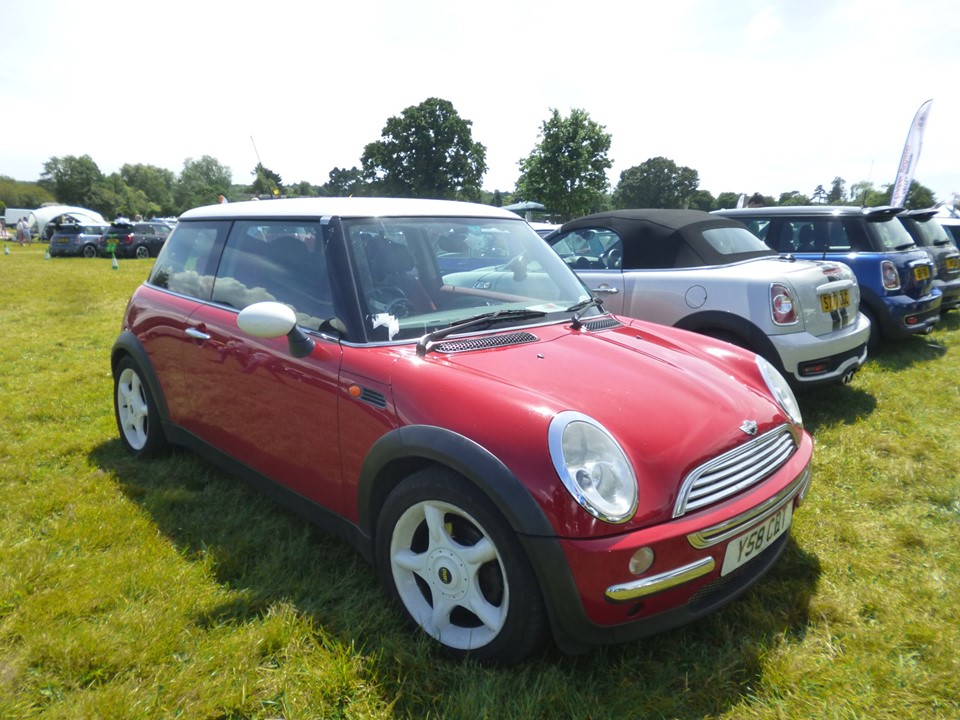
486,342
736,470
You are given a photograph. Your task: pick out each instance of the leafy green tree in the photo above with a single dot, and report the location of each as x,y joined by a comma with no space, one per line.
18,194
345,182
302,189
837,191
71,178
819,195
726,201
426,152
703,200
200,182
267,183
793,197
919,197
567,170
157,186
656,183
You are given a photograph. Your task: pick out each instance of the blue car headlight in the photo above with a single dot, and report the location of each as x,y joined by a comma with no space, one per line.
593,467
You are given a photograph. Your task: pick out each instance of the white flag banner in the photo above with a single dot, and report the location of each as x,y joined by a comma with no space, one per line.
908,161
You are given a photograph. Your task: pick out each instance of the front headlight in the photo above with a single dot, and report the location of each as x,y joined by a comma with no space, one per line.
780,389
593,467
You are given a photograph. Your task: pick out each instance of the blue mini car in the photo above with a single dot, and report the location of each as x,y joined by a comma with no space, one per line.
896,277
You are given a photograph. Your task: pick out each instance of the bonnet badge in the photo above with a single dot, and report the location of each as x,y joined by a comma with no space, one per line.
749,427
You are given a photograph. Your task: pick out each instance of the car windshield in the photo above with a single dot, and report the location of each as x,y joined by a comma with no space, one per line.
423,274
889,235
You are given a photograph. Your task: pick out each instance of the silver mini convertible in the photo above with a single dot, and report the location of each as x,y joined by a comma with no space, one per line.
710,274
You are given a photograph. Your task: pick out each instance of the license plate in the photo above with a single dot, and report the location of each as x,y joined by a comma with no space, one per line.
835,300
921,272
62,241
953,263
744,548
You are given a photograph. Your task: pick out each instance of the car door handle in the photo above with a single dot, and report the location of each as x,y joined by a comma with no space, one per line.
606,289
197,334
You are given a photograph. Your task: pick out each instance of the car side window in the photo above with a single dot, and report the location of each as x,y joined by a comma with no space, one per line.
280,262
187,261
590,249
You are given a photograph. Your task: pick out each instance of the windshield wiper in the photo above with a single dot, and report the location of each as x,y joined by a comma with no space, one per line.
485,319
578,308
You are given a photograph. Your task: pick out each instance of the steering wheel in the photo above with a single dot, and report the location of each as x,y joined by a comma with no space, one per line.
390,299
613,257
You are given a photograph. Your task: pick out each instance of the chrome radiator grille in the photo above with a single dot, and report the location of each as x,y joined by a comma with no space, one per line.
736,470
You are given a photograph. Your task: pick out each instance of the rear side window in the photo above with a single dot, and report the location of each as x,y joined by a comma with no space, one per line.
187,261
814,235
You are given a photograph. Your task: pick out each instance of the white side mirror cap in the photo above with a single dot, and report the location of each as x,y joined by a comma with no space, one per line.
267,319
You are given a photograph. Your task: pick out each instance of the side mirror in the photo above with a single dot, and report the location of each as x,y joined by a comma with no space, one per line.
272,320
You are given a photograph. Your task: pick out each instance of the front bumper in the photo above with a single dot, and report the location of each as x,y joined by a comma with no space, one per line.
595,599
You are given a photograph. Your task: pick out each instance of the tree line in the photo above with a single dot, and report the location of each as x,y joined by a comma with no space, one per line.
428,151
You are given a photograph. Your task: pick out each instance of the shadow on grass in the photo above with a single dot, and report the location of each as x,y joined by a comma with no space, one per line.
262,556
832,404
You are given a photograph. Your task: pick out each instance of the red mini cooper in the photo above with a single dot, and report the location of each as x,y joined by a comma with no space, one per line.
513,460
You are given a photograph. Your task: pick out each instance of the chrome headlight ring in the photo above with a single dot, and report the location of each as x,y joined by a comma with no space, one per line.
593,467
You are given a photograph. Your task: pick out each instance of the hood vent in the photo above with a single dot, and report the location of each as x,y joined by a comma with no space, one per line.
487,342
604,323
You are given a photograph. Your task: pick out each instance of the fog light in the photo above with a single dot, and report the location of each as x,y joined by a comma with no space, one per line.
641,561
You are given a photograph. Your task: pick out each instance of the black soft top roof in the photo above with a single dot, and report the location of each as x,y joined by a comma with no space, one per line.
666,229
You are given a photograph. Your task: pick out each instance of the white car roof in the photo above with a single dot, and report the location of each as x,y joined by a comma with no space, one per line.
348,207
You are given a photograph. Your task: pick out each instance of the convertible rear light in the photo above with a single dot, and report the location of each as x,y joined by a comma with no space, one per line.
782,305
891,280
127,239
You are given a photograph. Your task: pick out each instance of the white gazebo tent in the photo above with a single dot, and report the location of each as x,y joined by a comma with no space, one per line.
48,213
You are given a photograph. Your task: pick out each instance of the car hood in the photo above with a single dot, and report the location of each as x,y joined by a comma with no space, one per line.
672,400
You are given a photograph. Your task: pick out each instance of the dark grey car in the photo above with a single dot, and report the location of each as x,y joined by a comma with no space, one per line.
130,239
74,239
928,233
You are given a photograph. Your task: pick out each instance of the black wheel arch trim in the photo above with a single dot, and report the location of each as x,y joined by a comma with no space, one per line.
753,337
403,450
127,344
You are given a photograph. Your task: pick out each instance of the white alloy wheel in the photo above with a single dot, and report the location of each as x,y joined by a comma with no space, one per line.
449,575
133,409
136,412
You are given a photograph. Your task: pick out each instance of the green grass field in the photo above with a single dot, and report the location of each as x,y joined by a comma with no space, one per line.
166,589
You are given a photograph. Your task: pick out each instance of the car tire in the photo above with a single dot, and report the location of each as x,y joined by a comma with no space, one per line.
89,251
456,568
135,410
142,252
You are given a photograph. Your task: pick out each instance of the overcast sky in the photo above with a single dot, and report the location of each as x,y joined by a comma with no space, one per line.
755,95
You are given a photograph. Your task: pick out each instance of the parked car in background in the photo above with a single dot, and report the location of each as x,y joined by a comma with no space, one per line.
513,462
76,239
952,227
895,276
711,275
126,238
543,228
929,235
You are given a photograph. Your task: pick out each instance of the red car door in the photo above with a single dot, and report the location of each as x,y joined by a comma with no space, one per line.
249,397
